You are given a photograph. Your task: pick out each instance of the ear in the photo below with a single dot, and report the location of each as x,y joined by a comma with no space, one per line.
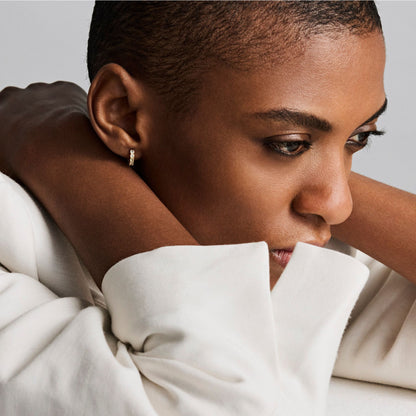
116,102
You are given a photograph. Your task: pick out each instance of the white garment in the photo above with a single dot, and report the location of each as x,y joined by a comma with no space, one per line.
184,330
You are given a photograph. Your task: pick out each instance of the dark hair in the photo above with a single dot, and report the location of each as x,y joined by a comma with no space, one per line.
170,44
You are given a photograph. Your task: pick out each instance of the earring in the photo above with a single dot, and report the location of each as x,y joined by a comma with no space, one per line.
132,155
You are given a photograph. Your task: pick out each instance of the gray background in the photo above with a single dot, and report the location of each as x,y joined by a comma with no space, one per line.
47,41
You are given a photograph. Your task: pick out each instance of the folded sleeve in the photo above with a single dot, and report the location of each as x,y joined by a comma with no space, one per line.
312,303
206,314
199,326
189,331
379,344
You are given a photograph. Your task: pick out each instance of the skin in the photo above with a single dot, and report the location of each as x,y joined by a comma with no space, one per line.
222,182
214,177
382,224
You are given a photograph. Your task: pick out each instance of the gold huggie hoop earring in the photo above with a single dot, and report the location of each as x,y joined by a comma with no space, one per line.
131,160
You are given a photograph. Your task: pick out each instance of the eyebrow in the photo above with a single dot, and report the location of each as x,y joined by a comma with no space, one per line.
302,119
298,118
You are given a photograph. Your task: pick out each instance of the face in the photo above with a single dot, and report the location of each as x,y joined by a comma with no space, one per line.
267,154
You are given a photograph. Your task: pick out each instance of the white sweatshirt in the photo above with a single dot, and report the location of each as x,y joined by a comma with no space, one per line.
188,330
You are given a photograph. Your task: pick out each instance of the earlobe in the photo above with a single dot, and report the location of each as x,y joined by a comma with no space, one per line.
115,100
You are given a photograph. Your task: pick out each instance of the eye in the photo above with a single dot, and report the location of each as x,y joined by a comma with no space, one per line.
361,140
288,148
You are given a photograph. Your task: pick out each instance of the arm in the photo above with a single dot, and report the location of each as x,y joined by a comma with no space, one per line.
379,342
75,177
382,224
131,218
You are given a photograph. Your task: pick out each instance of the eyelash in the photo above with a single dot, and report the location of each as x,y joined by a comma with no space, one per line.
302,145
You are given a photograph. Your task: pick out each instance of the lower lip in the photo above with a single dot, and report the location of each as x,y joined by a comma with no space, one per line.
281,257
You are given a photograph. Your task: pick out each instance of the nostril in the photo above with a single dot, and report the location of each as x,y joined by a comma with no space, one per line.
327,201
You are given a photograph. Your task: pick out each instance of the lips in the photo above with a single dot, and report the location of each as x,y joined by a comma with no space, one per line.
282,255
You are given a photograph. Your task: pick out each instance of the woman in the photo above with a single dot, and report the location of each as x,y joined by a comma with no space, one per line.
259,149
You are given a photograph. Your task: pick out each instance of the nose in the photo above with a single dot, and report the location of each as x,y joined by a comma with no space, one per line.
325,193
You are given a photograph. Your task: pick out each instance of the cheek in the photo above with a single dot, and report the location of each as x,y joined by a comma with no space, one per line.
220,191
242,197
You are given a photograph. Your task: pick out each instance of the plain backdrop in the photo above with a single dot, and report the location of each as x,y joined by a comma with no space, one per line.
47,41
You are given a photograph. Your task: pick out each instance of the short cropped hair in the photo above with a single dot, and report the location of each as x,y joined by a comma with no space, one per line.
170,44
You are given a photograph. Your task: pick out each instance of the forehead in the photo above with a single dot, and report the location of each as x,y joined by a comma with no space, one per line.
333,76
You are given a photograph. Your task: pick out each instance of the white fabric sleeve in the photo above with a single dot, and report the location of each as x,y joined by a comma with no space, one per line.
312,303
379,344
296,330
192,334
32,244
194,330
199,324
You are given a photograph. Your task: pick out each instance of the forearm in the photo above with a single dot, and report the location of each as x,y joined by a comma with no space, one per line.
104,208
382,224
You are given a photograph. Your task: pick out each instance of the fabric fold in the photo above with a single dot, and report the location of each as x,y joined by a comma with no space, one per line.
199,319
312,303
